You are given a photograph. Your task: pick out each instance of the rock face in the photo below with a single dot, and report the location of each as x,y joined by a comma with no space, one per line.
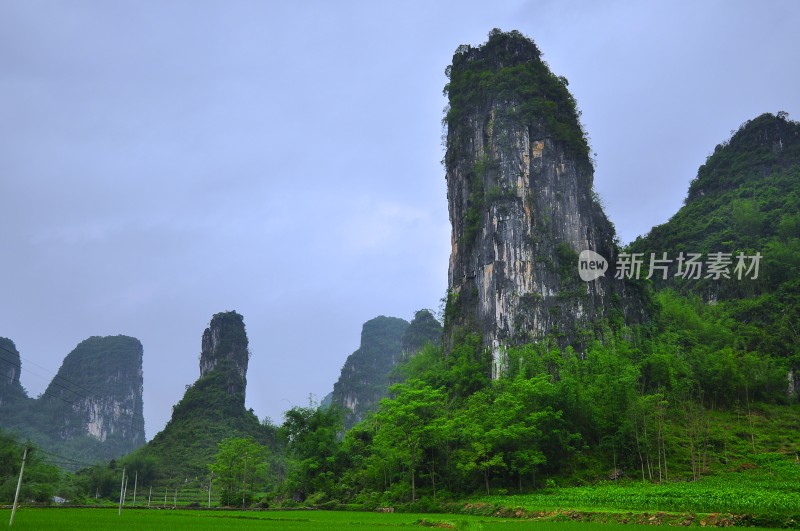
364,377
424,328
213,407
10,365
519,187
92,409
98,391
225,346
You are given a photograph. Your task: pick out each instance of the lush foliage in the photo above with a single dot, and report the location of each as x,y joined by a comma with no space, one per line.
206,415
509,68
42,480
238,461
678,399
771,487
82,519
309,441
745,198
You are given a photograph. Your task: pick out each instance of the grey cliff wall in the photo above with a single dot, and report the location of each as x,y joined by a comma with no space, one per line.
521,204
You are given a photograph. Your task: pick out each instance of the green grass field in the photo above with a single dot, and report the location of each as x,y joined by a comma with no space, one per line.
767,492
700,497
764,491
177,520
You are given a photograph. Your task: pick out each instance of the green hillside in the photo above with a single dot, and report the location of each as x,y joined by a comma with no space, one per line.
92,410
211,410
745,199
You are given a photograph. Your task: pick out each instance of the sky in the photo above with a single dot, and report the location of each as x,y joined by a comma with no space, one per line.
164,161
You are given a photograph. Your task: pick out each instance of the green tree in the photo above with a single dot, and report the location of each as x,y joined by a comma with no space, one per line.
409,424
311,439
238,468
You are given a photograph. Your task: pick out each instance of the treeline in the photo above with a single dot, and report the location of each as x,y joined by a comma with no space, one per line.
42,480
679,398
676,399
643,402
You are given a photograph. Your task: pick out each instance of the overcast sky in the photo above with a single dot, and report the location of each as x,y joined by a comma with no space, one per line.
164,161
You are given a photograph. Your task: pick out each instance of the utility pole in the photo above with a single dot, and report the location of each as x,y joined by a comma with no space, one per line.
244,491
210,481
121,490
149,496
19,484
135,483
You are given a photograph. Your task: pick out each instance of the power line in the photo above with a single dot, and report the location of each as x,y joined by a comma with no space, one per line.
64,458
69,389
140,424
55,377
136,423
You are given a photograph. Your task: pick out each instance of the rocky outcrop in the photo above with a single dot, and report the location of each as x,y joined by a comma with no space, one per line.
10,365
424,329
364,377
91,410
98,392
225,347
521,205
213,407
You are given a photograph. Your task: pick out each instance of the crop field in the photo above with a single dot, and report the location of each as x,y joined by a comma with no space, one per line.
178,520
765,494
701,497
770,493
82,519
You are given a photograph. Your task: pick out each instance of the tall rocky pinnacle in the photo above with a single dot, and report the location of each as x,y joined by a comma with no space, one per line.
521,205
98,391
10,365
213,407
365,375
225,348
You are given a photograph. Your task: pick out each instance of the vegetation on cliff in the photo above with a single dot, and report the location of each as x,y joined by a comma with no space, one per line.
745,200
212,409
92,409
521,205
364,378
508,69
